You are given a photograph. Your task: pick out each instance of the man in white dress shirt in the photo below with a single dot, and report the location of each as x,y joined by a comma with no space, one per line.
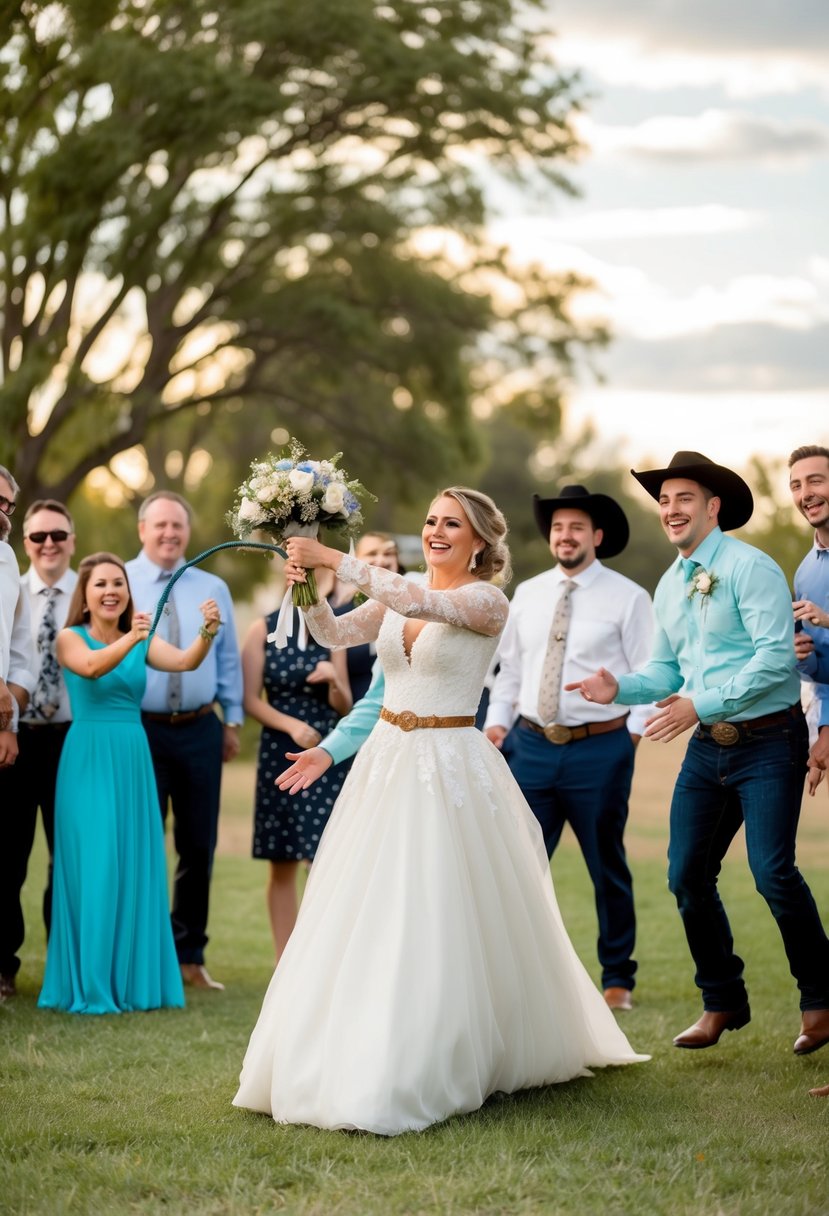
576,766
49,541
16,673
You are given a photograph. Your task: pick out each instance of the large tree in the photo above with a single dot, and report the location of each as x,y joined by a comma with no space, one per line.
276,208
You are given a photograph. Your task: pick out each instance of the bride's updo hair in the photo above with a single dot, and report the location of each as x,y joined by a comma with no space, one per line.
488,522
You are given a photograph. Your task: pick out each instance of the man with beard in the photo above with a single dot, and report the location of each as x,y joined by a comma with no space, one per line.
809,485
723,664
574,762
16,655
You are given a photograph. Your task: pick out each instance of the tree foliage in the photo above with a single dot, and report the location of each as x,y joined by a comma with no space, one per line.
270,214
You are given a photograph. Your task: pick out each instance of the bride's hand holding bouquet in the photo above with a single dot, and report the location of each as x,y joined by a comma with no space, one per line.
305,554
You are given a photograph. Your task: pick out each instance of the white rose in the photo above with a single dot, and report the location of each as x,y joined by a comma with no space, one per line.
266,492
334,497
703,583
250,512
301,481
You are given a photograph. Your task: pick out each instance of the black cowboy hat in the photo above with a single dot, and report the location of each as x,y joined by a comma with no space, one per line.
736,502
603,510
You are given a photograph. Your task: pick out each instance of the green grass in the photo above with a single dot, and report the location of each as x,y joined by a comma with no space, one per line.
132,1114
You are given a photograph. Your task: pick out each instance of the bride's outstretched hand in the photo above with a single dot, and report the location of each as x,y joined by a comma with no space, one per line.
306,768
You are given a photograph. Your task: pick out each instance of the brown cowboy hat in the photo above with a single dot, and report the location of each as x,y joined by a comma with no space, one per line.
603,510
735,497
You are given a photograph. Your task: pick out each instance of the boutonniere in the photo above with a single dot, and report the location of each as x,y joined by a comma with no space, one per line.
703,584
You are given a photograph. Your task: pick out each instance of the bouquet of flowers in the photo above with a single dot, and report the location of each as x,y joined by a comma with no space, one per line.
291,495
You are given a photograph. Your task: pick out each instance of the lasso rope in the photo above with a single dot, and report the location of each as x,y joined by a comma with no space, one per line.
198,559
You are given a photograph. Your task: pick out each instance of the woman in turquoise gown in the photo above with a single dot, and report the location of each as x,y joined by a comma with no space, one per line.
111,945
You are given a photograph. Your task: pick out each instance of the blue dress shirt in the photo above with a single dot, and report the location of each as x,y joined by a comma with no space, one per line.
811,582
732,651
219,677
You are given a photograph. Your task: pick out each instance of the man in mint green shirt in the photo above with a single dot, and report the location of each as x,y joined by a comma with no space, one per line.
345,739
724,664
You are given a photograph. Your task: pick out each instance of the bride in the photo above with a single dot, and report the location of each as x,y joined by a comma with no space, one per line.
429,967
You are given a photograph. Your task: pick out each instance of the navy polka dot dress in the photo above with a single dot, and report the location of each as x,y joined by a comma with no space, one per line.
287,827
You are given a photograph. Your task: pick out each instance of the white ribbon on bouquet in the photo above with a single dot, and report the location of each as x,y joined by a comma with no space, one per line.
285,620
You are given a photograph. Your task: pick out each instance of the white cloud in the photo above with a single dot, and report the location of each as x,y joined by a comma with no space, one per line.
714,135
629,223
645,427
631,60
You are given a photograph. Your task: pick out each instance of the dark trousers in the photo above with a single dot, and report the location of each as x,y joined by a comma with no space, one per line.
26,785
586,783
758,782
188,769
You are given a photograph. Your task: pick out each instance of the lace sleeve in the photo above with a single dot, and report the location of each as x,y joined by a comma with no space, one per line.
350,629
477,606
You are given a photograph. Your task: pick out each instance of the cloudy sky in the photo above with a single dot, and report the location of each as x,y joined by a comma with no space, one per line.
704,220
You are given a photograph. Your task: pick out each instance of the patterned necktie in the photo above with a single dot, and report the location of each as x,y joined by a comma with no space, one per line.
174,638
550,687
46,696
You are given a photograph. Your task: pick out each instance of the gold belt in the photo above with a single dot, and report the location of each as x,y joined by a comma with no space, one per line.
407,720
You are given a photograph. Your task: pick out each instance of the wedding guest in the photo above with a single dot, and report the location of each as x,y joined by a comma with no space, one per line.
16,678
49,541
305,692
809,485
724,637
187,741
341,743
429,966
574,761
378,549
111,944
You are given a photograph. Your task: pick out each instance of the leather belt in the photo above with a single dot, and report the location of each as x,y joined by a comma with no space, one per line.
729,733
180,718
558,734
407,720
42,725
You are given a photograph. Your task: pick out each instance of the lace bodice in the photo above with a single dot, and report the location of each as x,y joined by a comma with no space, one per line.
445,673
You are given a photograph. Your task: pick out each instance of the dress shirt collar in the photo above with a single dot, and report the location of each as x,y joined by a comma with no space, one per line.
584,578
150,570
66,582
704,553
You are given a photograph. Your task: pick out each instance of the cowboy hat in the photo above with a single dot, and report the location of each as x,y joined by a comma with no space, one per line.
736,502
604,511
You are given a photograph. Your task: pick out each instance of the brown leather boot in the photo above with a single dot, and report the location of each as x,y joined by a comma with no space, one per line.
707,1031
814,1031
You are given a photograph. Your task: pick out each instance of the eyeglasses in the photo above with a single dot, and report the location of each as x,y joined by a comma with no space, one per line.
7,505
58,536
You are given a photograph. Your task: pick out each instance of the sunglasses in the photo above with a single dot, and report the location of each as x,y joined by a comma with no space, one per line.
6,505
58,536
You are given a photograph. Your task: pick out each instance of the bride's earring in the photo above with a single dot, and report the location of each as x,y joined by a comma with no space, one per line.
473,561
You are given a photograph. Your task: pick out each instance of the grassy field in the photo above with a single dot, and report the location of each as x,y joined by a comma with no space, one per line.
132,1114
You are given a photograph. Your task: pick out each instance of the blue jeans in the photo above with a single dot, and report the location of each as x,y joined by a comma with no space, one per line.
586,783
758,782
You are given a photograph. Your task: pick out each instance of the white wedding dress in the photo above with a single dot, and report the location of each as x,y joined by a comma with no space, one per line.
429,966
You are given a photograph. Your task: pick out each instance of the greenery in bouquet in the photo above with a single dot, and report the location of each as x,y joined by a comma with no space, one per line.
289,494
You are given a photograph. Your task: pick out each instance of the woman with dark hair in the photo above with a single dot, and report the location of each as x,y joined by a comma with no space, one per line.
111,945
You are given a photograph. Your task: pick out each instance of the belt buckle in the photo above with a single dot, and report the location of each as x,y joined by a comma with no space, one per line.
725,733
407,720
555,733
